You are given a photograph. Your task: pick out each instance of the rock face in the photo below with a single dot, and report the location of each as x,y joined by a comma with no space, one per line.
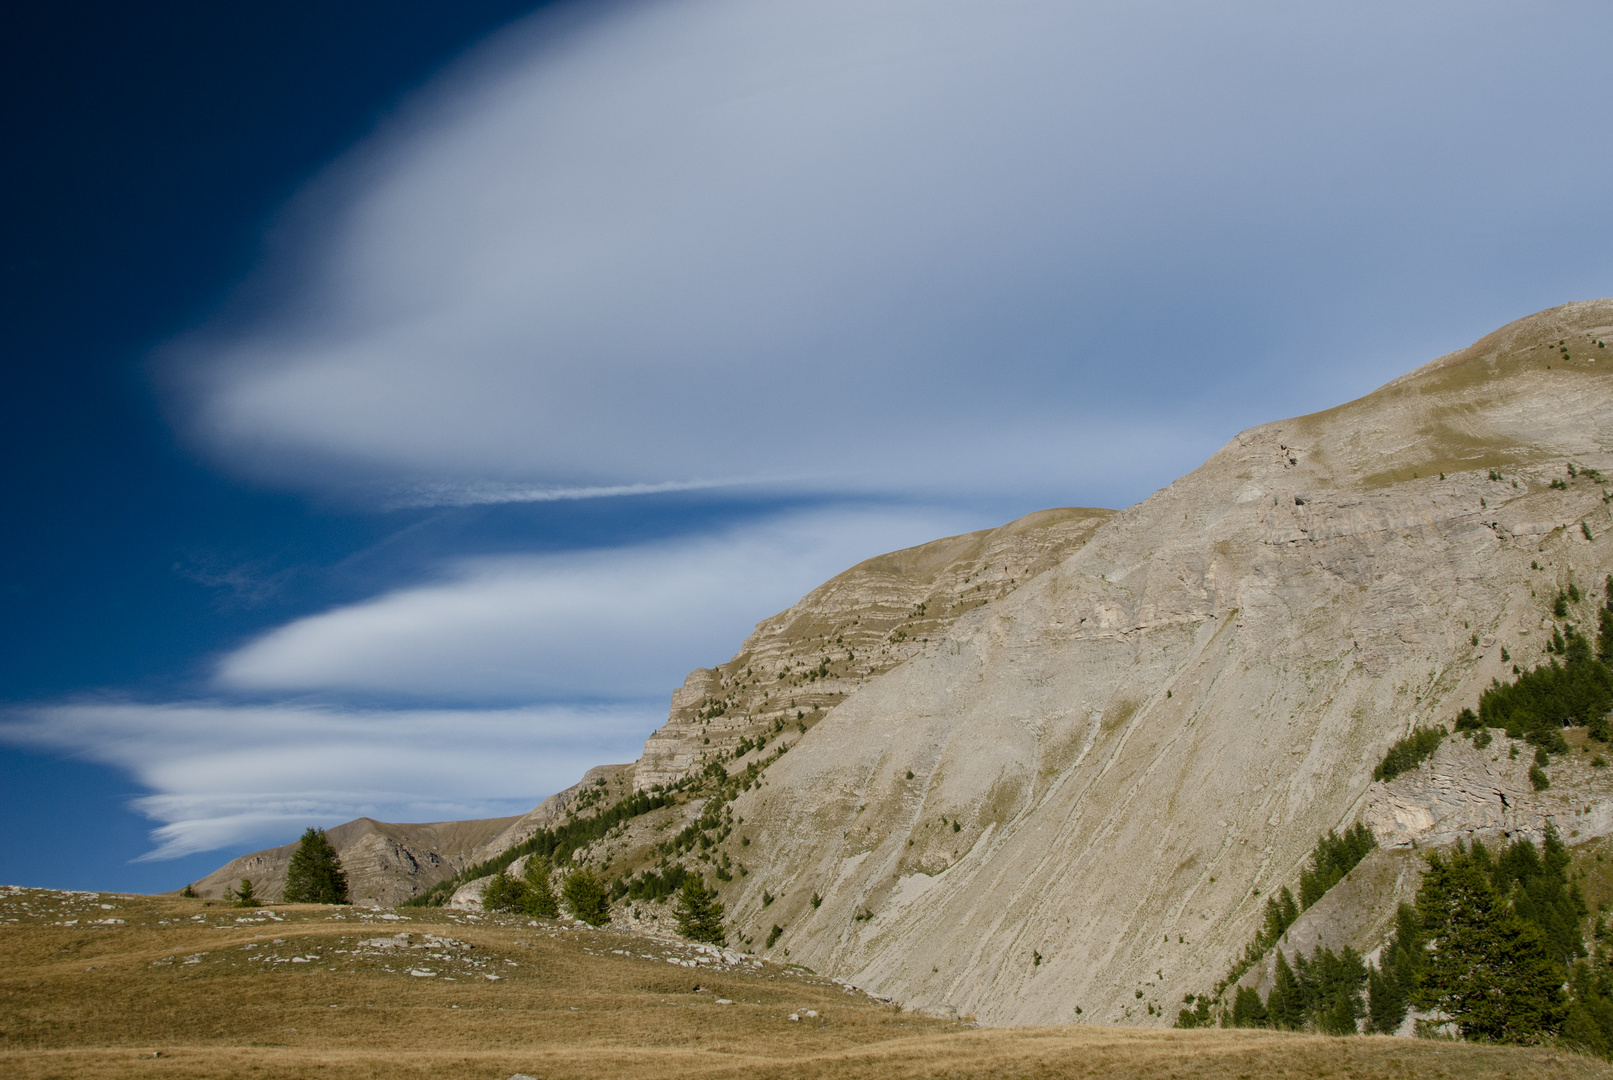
848,632
1079,795
386,864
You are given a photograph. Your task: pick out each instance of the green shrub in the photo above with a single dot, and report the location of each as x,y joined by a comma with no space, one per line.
245,896
504,893
1408,753
773,936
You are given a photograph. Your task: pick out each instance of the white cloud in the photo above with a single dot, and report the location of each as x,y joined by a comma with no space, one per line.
223,773
620,622
1034,246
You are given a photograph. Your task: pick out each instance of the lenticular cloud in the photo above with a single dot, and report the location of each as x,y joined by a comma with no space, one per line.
878,246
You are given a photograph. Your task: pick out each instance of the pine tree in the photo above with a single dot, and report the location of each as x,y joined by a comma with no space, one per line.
586,897
540,901
1489,970
1286,1005
1399,972
245,896
315,875
700,913
1247,1008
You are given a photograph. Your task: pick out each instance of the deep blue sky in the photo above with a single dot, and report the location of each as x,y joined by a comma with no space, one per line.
147,145
399,398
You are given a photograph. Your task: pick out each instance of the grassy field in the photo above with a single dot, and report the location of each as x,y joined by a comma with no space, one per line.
103,986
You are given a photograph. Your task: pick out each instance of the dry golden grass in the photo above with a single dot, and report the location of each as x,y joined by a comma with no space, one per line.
214,997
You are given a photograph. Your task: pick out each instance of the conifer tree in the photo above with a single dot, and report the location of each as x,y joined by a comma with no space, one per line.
540,901
699,912
1398,974
1286,1004
246,895
1247,1008
586,897
504,893
315,875
1488,969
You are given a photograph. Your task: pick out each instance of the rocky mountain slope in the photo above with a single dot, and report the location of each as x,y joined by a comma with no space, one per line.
1078,797
1070,802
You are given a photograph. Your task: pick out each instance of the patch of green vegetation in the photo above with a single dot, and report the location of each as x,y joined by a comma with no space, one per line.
556,844
1489,944
1552,696
1408,753
1333,857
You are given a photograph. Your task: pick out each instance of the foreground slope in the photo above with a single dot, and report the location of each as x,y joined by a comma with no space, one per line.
1072,804
110,986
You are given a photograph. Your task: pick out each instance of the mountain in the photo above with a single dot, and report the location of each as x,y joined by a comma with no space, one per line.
1114,765
1051,772
386,864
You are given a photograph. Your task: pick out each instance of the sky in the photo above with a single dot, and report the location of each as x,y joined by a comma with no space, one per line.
400,398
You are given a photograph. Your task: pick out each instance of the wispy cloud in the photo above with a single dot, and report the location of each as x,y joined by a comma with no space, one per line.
903,246
619,622
515,643
222,773
489,493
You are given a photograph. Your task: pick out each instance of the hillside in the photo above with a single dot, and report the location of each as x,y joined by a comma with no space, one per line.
98,986
1050,773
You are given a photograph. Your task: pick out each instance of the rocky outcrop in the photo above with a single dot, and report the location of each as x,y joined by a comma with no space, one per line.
386,864
1465,793
849,631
